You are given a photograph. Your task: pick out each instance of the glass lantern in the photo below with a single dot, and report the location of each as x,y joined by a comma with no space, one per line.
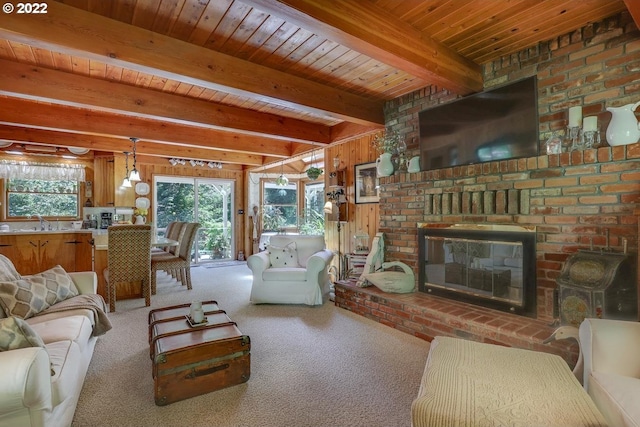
361,243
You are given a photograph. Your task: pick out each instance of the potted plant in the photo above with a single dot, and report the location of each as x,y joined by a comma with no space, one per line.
314,172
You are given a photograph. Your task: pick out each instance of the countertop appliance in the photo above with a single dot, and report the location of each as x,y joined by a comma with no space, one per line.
106,219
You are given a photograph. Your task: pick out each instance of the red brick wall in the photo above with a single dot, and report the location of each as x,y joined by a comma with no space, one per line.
573,198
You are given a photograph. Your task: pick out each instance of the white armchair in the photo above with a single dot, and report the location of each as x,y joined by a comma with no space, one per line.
293,270
611,350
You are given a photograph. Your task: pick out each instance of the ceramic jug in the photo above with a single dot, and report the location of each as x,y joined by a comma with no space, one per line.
384,165
623,128
414,164
139,220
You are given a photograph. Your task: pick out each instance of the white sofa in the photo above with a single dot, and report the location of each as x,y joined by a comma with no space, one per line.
611,352
293,270
41,386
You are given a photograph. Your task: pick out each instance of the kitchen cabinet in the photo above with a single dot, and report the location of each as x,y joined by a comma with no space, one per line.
103,188
109,172
36,252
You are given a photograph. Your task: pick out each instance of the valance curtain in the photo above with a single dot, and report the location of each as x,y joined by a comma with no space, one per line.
43,171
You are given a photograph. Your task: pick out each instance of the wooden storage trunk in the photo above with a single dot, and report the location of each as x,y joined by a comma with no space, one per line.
190,361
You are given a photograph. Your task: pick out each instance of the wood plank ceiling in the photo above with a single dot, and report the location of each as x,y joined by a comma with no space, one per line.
250,82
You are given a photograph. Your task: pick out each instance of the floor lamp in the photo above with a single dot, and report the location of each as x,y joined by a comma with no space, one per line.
332,207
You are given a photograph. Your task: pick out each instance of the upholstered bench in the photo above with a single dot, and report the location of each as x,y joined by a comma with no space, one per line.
467,383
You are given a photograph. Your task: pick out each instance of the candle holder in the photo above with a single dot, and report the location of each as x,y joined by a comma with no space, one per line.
574,135
590,139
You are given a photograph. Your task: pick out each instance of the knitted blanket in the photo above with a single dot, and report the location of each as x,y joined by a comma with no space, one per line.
467,383
93,302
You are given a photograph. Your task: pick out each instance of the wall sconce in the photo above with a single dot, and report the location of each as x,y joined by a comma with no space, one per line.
336,163
337,196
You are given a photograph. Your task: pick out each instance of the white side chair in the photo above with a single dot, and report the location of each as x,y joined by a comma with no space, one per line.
293,270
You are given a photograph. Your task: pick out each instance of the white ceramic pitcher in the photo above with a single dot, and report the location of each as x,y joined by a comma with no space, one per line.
384,165
623,128
414,164
139,220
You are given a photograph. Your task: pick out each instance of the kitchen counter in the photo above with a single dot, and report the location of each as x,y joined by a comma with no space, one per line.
32,231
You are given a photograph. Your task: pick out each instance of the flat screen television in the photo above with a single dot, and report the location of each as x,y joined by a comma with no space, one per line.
497,124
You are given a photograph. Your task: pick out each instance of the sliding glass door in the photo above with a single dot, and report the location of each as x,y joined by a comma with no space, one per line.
207,201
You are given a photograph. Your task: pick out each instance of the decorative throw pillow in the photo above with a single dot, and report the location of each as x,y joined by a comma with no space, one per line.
8,271
283,257
30,295
16,333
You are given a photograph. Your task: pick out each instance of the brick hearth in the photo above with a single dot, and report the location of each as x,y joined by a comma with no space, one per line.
426,316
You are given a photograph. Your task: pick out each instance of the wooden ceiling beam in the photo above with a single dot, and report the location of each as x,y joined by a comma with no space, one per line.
633,6
79,120
368,29
21,135
73,31
32,82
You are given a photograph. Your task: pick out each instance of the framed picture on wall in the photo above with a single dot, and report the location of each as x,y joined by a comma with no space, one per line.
367,187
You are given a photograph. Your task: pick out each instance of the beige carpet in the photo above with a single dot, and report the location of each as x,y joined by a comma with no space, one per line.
310,366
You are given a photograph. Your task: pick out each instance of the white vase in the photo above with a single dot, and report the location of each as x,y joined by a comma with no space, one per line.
623,128
384,165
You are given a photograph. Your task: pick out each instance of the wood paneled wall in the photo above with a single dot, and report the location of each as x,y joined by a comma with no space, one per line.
360,217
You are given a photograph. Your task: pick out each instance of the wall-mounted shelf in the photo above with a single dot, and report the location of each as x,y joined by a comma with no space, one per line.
337,179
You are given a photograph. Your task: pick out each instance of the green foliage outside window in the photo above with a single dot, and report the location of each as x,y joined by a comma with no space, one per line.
280,208
31,197
176,202
312,222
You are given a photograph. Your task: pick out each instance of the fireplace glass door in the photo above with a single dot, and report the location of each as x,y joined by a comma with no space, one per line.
493,269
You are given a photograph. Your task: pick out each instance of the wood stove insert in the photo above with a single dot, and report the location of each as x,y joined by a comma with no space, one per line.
488,265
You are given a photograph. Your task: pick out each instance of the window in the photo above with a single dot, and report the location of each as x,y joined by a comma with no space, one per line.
204,200
31,197
312,221
280,206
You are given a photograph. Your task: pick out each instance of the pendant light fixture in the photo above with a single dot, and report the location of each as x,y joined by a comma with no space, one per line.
126,182
135,175
282,180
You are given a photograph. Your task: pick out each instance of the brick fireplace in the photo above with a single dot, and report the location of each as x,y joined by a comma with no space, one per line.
574,200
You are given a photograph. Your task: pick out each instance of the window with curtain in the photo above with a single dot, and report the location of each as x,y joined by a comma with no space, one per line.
32,197
44,189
